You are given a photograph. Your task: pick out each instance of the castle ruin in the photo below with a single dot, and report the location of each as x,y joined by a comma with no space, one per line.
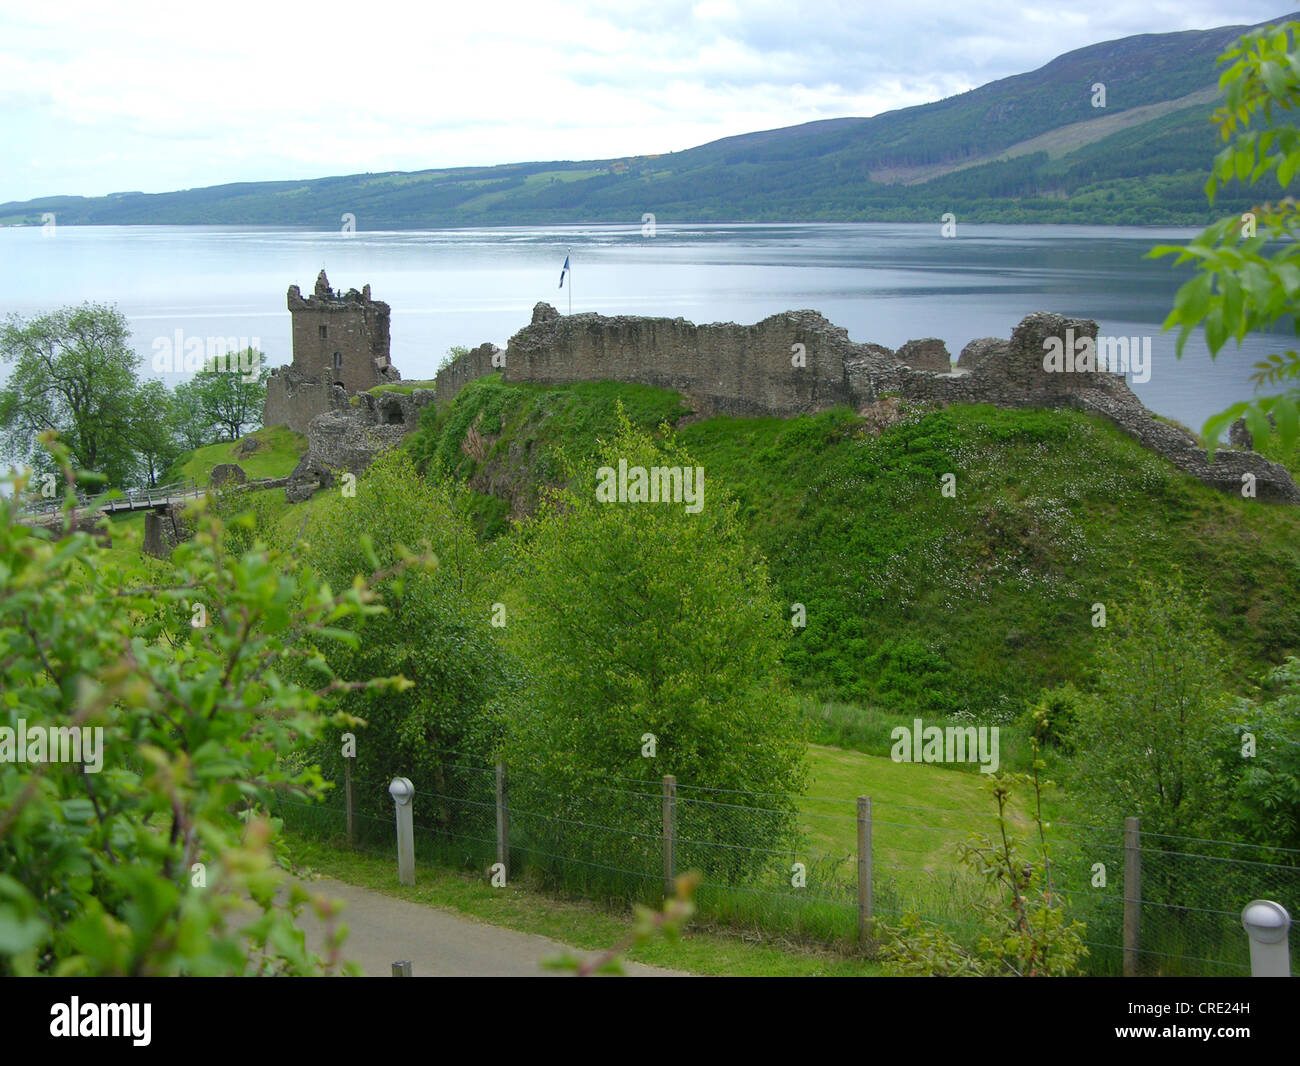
795,362
340,341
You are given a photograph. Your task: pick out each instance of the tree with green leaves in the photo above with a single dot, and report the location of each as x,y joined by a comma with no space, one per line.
1248,266
190,422
227,398
1148,732
436,631
146,850
152,428
652,640
453,353
75,374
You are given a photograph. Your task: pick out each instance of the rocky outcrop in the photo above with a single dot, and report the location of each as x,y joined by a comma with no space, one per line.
224,472
347,437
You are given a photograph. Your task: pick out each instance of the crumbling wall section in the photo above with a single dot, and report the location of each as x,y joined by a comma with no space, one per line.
293,400
466,368
787,364
348,436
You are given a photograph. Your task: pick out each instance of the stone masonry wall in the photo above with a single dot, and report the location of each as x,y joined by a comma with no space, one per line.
348,437
723,368
460,372
1010,374
293,400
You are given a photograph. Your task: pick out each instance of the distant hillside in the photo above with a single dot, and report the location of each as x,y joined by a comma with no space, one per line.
1028,148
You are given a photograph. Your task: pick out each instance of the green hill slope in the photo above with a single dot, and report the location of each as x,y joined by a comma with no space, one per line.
268,452
916,602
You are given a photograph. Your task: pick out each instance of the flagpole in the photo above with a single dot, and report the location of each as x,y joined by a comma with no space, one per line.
567,253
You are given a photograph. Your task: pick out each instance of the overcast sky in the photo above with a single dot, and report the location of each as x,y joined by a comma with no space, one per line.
104,97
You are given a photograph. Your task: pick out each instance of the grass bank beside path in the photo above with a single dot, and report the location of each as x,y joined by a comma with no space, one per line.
584,925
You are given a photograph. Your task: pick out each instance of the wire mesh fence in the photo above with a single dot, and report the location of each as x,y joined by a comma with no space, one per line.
812,869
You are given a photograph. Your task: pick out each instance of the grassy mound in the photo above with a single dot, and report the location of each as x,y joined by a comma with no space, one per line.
917,601
279,449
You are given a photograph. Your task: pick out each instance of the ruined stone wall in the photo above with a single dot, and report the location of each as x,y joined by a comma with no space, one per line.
293,400
722,368
461,371
1011,374
348,436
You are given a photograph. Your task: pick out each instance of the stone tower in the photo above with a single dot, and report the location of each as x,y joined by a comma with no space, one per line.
340,338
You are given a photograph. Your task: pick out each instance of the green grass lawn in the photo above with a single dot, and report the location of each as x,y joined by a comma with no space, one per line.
282,448
919,810
919,814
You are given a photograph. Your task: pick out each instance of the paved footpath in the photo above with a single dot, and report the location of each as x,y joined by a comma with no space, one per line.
438,943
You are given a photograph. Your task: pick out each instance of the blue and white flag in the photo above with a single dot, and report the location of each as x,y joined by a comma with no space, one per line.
564,270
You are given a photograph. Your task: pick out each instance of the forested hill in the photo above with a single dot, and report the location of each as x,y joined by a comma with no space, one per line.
1028,148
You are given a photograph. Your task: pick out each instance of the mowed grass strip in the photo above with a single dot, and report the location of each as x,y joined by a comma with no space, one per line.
920,811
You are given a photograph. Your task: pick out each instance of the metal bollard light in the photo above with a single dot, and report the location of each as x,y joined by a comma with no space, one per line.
1266,923
402,968
402,791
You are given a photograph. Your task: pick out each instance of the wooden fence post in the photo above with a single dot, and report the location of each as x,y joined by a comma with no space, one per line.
670,834
865,901
347,795
1132,895
503,820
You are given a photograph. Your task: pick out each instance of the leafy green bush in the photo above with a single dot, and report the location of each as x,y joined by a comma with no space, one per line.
141,865
1263,759
1151,725
1055,716
642,624
436,632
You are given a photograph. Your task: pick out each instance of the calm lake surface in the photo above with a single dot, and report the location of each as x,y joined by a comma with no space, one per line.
886,283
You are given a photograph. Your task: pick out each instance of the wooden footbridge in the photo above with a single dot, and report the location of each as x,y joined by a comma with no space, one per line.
158,498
